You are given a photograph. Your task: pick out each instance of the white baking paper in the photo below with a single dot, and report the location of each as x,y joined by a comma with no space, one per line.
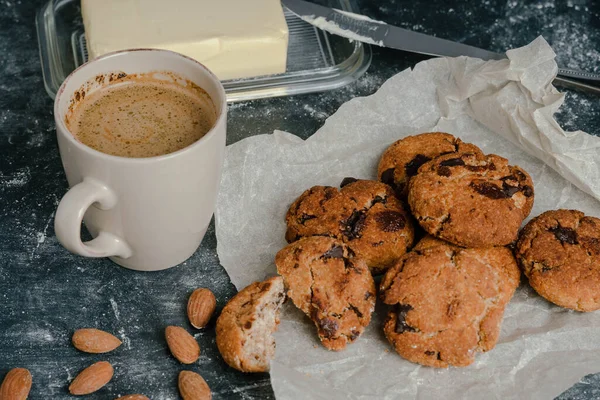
506,108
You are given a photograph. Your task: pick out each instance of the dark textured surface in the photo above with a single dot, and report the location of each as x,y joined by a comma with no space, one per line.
46,293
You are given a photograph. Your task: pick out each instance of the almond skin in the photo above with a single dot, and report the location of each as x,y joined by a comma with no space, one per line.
94,341
92,378
193,387
133,397
16,385
201,306
183,346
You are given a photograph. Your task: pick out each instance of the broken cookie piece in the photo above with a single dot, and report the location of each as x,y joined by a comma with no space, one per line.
447,302
335,290
246,325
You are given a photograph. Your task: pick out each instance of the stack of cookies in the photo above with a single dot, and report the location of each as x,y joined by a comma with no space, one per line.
441,229
441,225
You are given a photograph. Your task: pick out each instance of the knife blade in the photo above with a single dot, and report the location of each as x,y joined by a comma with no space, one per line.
364,29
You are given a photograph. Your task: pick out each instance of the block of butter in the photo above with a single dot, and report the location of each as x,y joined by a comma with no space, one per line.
233,38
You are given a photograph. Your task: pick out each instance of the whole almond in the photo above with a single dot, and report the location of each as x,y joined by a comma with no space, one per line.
183,346
16,385
193,387
133,397
92,378
200,308
94,341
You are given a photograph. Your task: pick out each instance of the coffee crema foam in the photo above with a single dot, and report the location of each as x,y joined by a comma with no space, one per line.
142,116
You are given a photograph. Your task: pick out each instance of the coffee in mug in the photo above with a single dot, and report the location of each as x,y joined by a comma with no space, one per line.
142,115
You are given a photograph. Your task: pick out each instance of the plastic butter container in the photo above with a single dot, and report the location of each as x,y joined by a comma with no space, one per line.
316,60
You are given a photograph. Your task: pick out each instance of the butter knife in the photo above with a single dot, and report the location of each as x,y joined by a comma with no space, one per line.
364,29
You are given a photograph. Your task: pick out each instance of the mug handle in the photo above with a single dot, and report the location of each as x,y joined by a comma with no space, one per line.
69,214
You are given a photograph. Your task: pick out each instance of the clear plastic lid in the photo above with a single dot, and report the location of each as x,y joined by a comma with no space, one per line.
316,60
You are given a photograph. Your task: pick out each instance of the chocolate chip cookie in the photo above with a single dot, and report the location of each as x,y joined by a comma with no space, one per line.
559,251
403,158
246,325
471,200
334,289
448,302
366,215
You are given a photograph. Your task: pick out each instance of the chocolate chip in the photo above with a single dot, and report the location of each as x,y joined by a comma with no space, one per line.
492,166
334,252
477,168
452,162
430,353
356,311
353,335
413,166
527,191
121,75
390,221
564,235
329,193
545,268
328,326
378,199
401,325
444,171
509,190
489,190
354,225
305,217
248,325
388,176
347,181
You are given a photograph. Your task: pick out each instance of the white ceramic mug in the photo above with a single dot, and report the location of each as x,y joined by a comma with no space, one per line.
145,214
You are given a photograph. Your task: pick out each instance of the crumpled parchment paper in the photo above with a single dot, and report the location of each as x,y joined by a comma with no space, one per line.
506,108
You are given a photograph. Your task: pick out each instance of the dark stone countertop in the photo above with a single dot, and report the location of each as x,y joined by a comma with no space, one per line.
46,292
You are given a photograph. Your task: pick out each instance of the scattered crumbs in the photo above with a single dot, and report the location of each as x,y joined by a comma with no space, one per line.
41,236
125,339
115,308
580,111
523,22
18,178
69,376
314,113
40,335
36,139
